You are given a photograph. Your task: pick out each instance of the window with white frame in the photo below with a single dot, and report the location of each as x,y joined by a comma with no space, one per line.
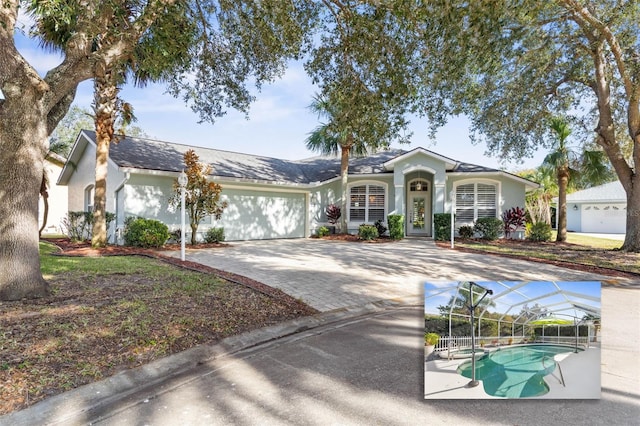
89,195
367,203
475,200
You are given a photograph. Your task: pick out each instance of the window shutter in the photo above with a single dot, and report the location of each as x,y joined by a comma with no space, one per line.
376,203
486,200
465,201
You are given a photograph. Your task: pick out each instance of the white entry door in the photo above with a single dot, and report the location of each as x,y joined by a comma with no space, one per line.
419,209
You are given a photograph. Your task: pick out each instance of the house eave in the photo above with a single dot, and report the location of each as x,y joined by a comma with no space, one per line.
220,179
529,185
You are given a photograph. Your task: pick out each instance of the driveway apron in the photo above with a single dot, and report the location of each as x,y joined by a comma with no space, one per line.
331,275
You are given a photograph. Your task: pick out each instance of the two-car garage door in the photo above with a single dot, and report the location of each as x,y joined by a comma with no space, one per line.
604,218
260,215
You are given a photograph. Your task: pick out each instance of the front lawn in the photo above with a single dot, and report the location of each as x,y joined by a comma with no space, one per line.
112,313
578,251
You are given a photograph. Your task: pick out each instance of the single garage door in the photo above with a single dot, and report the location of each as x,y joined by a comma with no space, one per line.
604,218
257,215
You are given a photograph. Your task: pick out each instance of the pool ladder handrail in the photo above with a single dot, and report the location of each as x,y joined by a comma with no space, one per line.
559,368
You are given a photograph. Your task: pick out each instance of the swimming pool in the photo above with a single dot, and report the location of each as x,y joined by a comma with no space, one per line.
516,372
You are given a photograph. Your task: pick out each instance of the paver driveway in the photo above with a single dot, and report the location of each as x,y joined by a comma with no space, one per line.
335,274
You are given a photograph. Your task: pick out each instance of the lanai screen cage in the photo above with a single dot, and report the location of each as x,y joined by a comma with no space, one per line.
512,312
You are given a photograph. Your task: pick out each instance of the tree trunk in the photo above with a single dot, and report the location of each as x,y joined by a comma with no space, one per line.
632,237
22,153
105,98
344,173
194,231
563,181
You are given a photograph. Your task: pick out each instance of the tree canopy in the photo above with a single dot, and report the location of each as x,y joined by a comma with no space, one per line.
512,66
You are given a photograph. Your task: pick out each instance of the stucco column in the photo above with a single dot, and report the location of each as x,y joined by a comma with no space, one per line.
438,198
399,205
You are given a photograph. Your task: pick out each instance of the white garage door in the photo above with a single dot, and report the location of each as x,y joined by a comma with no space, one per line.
257,215
604,218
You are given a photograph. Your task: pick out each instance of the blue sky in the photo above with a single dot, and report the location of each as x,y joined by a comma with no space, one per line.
439,292
278,124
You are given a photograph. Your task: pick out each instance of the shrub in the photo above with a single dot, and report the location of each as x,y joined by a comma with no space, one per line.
513,219
380,227
78,226
323,231
367,232
489,228
214,235
333,213
396,226
431,339
75,225
466,231
442,226
142,232
538,232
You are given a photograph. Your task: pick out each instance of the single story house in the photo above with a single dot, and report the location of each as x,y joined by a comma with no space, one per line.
57,200
273,198
600,209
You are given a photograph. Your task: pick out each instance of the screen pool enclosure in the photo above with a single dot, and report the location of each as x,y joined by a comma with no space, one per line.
476,319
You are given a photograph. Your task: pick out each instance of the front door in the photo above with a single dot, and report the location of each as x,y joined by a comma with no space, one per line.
419,209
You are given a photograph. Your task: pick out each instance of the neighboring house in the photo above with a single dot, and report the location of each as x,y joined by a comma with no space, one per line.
53,165
272,198
601,209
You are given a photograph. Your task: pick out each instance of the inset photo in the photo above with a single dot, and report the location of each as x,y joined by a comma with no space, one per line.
512,339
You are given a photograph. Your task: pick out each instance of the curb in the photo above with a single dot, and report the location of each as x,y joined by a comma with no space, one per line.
97,400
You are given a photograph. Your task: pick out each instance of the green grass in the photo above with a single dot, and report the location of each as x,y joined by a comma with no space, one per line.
107,314
91,267
584,240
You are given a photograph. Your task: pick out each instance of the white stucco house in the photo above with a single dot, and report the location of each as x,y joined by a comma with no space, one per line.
274,198
600,209
58,200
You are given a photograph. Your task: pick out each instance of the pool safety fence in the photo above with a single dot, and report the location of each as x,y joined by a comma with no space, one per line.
464,342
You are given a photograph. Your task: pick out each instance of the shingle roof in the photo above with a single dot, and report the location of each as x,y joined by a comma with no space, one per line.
612,191
148,154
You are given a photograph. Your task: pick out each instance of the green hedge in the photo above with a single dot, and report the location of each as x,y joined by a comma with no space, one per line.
442,226
367,232
214,235
538,232
146,233
489,228
396,226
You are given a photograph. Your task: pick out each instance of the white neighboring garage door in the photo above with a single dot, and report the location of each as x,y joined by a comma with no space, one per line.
604,218
258,215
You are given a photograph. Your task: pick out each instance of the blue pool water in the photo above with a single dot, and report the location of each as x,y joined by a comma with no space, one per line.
516,372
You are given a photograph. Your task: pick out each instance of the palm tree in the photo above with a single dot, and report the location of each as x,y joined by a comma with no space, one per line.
462,301
566,163
328,139
165,48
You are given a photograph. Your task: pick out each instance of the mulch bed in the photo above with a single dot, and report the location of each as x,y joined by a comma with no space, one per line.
558,249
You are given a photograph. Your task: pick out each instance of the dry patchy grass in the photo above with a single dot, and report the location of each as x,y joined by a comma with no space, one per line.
108,314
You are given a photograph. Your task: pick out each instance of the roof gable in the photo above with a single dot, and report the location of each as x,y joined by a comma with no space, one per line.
449,163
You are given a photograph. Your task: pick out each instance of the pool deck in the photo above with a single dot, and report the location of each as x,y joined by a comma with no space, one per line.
581,373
